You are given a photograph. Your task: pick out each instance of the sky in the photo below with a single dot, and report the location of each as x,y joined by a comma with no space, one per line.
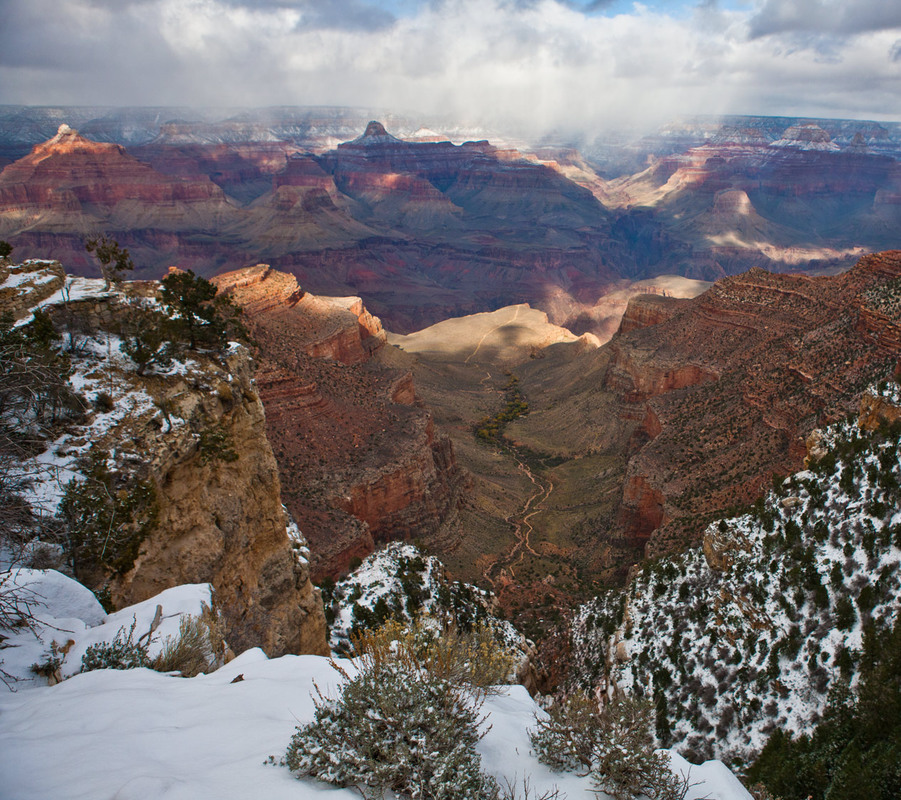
537,65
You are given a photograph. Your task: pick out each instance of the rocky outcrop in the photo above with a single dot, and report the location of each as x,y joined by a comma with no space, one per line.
70,176
338,328
876,411
222,521
22,286
360,460
195,437
648,309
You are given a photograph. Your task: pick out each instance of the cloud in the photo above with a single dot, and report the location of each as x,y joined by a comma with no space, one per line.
825,17
529,65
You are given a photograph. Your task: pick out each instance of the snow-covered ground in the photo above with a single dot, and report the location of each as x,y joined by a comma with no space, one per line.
142,735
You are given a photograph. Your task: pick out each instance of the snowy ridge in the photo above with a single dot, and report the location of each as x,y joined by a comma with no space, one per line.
747,633
399,582
212,735
68,619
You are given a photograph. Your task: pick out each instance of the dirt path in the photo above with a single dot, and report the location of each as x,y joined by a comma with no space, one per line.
488,333
521,519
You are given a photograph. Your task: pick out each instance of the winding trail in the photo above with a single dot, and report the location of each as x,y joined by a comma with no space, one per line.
488,333
521,519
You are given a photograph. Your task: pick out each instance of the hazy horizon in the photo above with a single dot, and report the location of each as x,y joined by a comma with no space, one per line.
531,65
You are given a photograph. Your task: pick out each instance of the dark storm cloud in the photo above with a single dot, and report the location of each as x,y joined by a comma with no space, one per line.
836,17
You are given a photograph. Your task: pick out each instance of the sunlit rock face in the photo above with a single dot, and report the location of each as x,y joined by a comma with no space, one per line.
360,462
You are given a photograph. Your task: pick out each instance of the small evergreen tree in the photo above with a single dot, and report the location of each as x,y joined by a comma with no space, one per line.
5,249
106,522
200,316
114,260
147,338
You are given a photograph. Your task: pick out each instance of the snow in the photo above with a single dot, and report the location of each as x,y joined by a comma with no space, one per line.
757,645
142,735
78,289
49,589
68,614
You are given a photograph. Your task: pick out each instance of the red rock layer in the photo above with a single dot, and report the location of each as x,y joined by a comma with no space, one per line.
722,393
359,460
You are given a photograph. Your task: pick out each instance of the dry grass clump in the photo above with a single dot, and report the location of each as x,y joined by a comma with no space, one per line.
197,647
472,658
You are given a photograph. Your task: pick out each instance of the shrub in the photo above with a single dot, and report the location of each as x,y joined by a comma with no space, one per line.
473,658
114,260
123,652
215,444
106,520
396,726
194,649
613,744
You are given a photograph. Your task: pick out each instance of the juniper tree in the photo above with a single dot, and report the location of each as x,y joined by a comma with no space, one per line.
114,260
200,316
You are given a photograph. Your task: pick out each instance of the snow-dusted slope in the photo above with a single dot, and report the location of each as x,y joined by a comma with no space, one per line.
399,582
142,735
747,633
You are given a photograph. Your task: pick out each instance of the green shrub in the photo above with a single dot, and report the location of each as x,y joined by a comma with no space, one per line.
614,744
216,445
396,726
123,652
147,338
106,520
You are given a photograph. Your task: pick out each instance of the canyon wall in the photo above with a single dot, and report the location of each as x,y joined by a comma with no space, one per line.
360,460
195,435
723,390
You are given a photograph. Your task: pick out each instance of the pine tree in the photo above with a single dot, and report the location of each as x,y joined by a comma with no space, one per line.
201,317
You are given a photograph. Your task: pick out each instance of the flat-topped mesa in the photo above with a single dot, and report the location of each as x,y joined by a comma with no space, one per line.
644,310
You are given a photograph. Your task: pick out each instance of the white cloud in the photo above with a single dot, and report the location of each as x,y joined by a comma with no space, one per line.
542,64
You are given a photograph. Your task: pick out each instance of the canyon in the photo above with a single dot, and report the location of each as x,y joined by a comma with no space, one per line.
629,449
453,225
579,285
360,460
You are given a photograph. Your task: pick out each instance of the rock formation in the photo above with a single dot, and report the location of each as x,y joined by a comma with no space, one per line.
360,461
735,380
217,520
